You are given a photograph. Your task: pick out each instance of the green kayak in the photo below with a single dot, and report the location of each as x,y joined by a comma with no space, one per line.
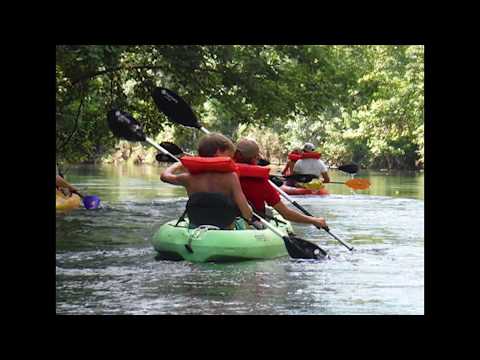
212,245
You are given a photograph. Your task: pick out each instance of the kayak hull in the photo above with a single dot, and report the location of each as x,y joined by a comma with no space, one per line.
290,190
67,203
218,245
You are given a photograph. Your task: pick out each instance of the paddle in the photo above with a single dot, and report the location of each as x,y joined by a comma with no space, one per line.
356,184
164,158
263,162
178,111
171,148
276,180
175,107
302,209
89,202
349,168
124,126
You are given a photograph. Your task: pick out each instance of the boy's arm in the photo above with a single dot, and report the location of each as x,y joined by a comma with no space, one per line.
240,198
170,174
326,178
62,183
288,169
323,171
293,215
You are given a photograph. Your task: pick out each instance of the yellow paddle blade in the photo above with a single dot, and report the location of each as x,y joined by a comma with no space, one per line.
313,185
358,184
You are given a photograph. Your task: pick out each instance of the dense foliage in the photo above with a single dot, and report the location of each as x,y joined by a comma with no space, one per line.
360,103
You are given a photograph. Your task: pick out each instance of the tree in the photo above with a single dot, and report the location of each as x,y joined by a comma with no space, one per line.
360,103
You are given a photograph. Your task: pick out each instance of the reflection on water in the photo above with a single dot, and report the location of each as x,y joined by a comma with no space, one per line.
105,263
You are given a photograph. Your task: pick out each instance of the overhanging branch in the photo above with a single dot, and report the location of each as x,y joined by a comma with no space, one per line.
107,71
61,147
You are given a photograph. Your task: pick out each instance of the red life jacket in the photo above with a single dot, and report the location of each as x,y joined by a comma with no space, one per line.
311,155
248,170
294,157
200,164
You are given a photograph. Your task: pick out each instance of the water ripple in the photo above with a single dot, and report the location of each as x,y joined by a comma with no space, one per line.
105,263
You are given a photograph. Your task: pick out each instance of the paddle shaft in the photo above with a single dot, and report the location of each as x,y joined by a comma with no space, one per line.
284,237
78,193
302,209
158,147
294,203
364,184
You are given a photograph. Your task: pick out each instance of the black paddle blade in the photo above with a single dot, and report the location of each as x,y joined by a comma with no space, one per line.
263,162
349,168
303,178
301,249
276,180
124,126
171,148
161,157
176,109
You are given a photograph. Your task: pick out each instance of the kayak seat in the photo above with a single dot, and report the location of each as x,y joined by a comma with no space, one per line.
214,209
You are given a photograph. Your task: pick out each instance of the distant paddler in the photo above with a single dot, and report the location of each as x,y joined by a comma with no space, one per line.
310,163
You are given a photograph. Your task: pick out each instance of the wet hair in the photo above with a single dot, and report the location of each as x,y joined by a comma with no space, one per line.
238,158
211,143
247,151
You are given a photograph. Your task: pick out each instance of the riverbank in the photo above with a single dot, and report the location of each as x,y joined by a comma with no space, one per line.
137,154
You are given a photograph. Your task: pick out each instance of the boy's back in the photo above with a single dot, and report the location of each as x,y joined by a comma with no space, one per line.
211,182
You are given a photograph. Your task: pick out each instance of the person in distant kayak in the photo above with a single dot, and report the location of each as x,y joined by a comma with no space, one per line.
310,164
293,157
212,184
258,190
63,185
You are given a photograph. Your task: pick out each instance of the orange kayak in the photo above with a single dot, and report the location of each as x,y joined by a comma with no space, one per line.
290,190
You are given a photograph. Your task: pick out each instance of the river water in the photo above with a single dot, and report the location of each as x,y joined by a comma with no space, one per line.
105,263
